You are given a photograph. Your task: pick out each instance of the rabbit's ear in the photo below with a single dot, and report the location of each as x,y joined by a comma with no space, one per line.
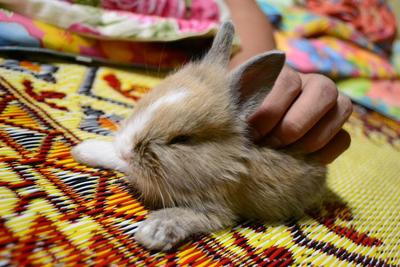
251,82
220,50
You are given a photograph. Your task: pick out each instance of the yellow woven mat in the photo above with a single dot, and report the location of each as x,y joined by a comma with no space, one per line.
54,210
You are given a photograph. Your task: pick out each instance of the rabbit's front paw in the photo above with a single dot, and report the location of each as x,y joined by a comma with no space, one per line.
97,153
86,152
160,233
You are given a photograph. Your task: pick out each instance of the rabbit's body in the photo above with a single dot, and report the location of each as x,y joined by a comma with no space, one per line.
186,149
279,186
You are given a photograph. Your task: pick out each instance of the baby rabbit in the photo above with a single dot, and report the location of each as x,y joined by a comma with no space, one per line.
186,149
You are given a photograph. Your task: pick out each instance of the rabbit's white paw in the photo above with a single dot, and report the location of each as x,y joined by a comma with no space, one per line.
87,152
96,153
160,233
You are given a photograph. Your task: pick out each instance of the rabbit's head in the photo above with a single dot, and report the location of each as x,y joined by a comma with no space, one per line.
189,134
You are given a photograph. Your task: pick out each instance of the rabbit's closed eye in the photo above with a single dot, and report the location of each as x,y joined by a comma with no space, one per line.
180,139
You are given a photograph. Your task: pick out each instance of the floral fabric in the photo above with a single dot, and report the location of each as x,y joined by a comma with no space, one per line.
180,9
22,33
146,25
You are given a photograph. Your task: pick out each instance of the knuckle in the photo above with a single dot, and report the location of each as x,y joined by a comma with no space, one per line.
292,83
291,131
328,88
271,111
346,105
264,109
331,92
265,119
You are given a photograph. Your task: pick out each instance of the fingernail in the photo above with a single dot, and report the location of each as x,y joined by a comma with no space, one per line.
273,142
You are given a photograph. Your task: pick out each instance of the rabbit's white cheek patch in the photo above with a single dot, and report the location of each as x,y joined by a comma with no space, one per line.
143,118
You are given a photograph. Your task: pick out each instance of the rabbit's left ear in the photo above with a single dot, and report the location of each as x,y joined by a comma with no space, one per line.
220,50
251,82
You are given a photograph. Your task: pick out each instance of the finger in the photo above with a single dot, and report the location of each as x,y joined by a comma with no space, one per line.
339,143
327,127
274,106
319,95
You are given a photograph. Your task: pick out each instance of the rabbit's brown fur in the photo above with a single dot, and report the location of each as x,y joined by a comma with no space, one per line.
186,150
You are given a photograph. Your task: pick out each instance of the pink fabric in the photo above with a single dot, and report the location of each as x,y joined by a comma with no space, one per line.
197,9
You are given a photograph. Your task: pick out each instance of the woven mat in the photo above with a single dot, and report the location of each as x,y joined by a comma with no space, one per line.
54,211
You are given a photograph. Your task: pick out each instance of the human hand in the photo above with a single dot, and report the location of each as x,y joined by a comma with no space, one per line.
305,111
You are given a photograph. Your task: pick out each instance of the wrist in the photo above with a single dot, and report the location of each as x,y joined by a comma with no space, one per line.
253,29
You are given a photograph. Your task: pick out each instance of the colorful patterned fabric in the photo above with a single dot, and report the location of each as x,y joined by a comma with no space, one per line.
396,55
57,212
342,51
119,24
335,58
380,95
373,18
21,33
181,9
328,45
119,36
